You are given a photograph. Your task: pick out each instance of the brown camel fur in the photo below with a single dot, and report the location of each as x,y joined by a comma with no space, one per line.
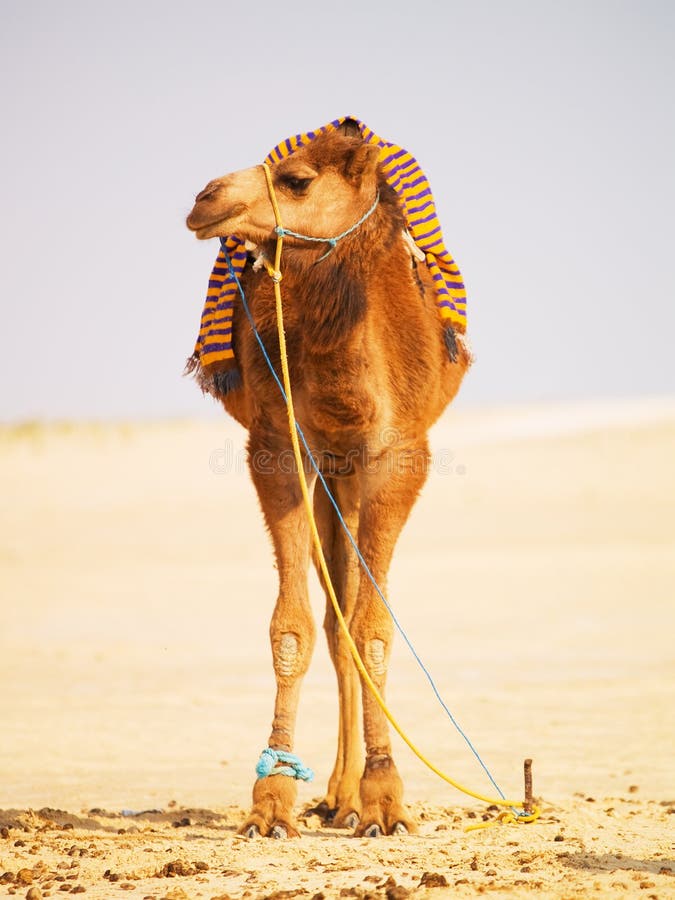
370,374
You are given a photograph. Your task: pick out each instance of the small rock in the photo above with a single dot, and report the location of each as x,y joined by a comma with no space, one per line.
397,892
174,868
633,789
34,893
433,879
178,893
4,832
558,837
491,873
24,876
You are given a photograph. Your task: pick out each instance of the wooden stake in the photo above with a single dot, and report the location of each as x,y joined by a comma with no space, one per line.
527,769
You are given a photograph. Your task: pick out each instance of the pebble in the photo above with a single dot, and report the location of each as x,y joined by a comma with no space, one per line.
176,893
34,893
433,879
397,892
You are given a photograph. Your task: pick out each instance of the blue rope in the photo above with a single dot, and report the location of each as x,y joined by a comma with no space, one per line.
292,765
349,535
333,242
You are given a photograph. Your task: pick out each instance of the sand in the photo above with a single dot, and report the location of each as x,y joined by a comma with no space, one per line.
535,577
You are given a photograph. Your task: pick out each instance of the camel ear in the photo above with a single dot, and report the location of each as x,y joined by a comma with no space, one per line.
350,128
361,161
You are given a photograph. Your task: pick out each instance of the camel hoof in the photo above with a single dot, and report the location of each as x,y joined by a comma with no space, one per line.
399,828
278,832
323,810
352,820
373,831
252,831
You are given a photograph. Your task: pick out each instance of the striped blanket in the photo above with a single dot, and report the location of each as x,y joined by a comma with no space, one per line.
214,351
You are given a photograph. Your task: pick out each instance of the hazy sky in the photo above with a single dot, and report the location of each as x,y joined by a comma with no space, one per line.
546,129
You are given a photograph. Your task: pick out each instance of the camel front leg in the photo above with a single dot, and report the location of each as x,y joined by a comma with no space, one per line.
292,635
341,806
388,497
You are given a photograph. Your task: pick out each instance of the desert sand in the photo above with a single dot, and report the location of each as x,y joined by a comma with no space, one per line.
535,578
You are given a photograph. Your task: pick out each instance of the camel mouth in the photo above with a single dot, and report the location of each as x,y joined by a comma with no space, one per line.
219,228
214,227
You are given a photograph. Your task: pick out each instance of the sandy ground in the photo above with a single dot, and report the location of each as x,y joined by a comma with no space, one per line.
535,577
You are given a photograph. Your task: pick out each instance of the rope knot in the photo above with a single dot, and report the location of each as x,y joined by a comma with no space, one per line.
291,765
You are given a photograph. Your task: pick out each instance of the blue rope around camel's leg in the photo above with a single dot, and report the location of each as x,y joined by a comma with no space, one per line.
292,765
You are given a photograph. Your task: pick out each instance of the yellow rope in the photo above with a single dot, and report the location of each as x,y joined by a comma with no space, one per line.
276,278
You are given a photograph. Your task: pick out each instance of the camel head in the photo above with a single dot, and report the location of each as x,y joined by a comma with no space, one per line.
321,189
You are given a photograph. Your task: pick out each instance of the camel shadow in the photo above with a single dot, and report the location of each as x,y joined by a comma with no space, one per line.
608,862
184,820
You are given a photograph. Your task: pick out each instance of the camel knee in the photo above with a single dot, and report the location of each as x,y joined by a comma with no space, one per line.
374,650
375,656
291,653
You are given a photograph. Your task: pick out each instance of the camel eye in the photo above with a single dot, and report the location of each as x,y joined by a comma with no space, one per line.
297,185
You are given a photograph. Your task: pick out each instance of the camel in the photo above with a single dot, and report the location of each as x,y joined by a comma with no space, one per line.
371,373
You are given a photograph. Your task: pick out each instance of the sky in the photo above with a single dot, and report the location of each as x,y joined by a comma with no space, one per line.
546,130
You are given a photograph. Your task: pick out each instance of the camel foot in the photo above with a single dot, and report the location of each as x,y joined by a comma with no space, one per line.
335,818
323,811
381,798
351,820
272,812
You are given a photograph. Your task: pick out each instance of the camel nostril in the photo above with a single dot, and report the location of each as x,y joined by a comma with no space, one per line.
210,189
